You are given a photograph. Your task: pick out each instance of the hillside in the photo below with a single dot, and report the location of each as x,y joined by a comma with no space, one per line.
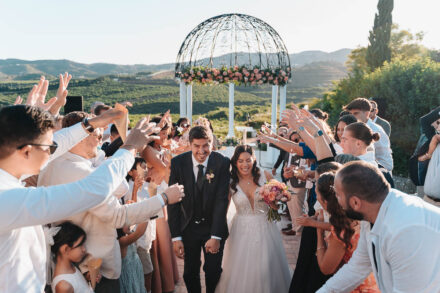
321,66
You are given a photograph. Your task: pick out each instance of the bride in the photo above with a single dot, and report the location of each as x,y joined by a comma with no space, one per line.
254,257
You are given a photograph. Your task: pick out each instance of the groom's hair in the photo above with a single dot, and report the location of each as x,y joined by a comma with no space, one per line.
199,132
20,125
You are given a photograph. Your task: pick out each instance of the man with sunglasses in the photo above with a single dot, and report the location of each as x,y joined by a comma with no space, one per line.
26,144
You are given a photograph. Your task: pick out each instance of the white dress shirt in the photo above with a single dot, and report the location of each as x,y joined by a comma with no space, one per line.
24,210
406,236
196,172
100,223
369,157
382,147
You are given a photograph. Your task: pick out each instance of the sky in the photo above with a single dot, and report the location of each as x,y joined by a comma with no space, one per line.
151,32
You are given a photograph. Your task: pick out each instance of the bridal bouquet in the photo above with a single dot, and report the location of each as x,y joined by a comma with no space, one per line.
275,194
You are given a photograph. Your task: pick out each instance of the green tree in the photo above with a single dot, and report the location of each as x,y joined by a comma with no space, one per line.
379,50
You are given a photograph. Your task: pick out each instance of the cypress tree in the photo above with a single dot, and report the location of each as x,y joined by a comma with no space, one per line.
379,50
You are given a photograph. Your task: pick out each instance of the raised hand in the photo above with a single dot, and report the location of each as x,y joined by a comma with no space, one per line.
164,119
18,101
174,193
139,136
37,95
61,93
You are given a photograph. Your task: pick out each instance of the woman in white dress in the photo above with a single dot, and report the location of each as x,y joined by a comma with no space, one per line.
254,257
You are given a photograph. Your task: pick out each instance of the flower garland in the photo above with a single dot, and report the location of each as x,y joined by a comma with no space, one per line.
236,74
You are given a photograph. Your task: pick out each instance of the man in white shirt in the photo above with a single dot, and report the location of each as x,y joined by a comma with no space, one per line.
99,223
361,108
26,144
399,238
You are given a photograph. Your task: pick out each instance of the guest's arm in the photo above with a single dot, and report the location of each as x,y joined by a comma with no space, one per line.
354,272
38,206
131,238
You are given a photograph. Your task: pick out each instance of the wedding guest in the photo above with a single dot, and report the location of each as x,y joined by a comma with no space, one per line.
401,251
337,248
68,249
339,130
158,159
361,108
26,145
132,274
378,120
138,190
282,131
100,222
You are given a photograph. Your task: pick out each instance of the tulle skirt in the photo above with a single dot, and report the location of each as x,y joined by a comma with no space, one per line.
254,257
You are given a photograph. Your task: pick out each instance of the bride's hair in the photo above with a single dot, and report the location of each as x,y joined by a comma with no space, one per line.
234,171
338,219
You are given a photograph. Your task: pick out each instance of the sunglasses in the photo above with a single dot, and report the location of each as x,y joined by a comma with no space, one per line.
52,147
186,125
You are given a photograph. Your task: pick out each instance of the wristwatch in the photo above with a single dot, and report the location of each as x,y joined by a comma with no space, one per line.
318,133
89,128
301,128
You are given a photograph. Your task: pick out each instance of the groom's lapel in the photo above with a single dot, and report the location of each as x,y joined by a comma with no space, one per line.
210,168
188,175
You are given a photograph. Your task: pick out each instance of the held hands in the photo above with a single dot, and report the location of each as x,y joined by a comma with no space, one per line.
179,251
174,193
212,246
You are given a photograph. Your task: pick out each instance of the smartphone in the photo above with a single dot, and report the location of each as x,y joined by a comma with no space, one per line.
73,103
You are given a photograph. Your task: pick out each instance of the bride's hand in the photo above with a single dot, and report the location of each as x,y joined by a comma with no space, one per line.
212,246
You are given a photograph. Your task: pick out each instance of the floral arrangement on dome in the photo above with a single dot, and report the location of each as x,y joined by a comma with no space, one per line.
236,74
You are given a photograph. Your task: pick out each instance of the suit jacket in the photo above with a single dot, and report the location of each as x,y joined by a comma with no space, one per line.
385,125
215,194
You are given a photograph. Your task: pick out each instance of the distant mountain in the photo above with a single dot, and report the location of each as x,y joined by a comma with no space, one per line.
311,68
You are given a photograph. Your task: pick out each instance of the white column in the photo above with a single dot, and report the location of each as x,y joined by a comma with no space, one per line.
189,102
231,110
283,96
272,152
182,99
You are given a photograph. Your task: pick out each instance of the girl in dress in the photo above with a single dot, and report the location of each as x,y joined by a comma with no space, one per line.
68,248
254,257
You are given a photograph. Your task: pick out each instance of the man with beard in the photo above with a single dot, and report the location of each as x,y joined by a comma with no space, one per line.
399,234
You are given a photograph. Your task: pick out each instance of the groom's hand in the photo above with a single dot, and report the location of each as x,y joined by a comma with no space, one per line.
212,246
178,249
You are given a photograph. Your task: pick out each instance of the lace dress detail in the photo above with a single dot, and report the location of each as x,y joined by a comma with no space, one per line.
254,256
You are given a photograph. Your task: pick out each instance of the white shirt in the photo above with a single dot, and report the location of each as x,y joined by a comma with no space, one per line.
369,157
406,235
382,147
24,210
100,222
196,166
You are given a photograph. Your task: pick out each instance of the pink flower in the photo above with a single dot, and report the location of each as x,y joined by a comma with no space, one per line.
225,73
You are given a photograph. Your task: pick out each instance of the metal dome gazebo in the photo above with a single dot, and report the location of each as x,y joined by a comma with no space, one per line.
233,49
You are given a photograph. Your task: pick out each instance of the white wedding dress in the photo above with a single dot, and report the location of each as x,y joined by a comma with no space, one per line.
254,257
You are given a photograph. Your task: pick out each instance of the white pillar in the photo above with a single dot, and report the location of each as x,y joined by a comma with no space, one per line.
272,152
189,102
182,99
283,96
231,110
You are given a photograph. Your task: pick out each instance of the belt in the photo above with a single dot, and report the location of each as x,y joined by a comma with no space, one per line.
433,198
199,221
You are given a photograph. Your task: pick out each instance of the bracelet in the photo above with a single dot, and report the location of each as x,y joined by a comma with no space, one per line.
318,249
164,195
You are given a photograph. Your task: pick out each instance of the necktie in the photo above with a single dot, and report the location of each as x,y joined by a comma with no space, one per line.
200,178
198,208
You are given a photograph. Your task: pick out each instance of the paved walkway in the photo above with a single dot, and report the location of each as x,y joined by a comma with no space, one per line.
291,244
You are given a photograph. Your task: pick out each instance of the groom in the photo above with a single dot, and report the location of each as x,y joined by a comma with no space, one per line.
198,222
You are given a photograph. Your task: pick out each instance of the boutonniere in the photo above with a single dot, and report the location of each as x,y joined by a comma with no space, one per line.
209,176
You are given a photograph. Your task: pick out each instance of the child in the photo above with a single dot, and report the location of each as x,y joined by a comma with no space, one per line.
68,248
